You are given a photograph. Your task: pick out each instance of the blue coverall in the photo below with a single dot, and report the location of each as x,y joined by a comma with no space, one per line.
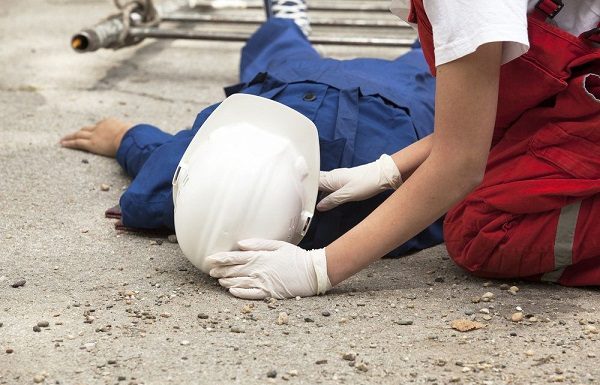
362,108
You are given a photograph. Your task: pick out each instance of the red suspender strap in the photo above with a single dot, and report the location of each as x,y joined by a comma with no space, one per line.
548,8
418,15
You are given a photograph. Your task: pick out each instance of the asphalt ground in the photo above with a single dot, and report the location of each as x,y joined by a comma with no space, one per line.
122,308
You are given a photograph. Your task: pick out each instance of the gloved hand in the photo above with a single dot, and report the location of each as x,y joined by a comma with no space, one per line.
358,183
266,268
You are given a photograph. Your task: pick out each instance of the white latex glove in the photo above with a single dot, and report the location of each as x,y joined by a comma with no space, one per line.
266,268
358,183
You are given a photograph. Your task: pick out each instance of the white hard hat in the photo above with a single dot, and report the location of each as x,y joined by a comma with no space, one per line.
251,171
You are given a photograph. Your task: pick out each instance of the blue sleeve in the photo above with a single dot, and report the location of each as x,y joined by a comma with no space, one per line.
151,157
137,145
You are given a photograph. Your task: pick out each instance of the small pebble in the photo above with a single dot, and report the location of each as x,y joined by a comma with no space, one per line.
9,350
237,329
517,317
43,324
308,319
282,318
166,315
404,322
485,310
202,316
38,379
121,378
439,279
19,283
172,238
325,313
487,284
272,373
504,286
350,356
362,367
185,343
487,297
321,362
293,373
469,312
85,161
104,187
529,353
37,329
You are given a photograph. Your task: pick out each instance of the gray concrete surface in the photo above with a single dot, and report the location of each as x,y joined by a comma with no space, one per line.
143,299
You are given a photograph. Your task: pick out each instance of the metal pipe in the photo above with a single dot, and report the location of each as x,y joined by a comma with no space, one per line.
241,37
107,33
103,35
220,19
333,6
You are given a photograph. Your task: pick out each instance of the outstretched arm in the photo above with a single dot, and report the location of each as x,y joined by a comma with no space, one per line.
466,100
445,167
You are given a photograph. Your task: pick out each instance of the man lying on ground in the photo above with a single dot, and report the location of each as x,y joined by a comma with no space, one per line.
363,109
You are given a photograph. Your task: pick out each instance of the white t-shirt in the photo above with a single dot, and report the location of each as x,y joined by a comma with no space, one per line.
460,26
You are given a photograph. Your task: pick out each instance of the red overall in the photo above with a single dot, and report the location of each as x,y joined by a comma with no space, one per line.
536,214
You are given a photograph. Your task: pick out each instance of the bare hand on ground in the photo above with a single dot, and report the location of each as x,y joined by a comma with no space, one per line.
103,138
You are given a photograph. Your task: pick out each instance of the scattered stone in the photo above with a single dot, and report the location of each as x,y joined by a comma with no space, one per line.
350,356
248,308
237,329
85,161
166,315
439,279
513,290
9,350
404,322
476,299
487,317
283,318
321,362
19,283
172,238
485,310
203,316
272,373
529,353
293,373
104,187
487,284
185,343
43,324
487,297
121,378
517,317
504,286
325,313
362,366
38,378
111,362
469,311
463,325
590,329
308,319
37,329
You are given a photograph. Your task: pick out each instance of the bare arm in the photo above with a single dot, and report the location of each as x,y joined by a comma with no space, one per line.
456,155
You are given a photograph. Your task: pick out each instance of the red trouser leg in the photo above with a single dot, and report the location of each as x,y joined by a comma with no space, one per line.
537,213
